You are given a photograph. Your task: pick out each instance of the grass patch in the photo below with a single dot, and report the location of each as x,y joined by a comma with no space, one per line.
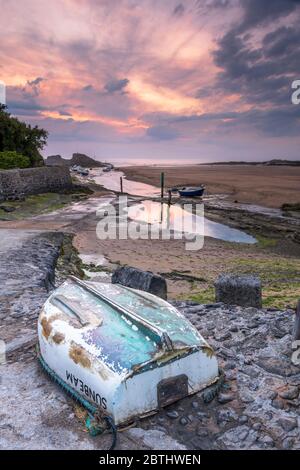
37,204
280,279
264,242
281,296
205,296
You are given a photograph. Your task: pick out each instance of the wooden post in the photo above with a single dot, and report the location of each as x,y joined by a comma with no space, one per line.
162,184
169,197
121,184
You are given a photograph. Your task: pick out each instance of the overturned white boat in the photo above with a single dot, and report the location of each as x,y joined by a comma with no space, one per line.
125,351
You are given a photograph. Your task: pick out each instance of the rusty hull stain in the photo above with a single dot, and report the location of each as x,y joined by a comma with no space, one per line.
79,355
46,327
47,324
58,338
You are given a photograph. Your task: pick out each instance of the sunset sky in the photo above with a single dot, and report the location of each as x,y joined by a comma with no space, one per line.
159,80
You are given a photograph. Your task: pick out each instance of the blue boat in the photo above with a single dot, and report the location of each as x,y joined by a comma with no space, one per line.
191,191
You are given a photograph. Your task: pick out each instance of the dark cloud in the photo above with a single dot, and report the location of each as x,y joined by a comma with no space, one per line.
261,72
282,41
114,86
277,122
258,12
162,133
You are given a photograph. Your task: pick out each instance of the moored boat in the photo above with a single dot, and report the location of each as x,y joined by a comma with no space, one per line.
191,191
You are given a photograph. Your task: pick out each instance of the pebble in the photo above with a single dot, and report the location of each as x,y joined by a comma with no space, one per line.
290,394
225,398
229,365
230,375
202,433
243,419
234,329
288,424
267,440
172,414
183,421
257,426
195,405
288,443
243,434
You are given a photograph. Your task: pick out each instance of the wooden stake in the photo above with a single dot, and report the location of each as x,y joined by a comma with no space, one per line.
162,184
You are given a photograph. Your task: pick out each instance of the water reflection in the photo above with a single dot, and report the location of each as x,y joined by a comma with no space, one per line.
176,218
111,181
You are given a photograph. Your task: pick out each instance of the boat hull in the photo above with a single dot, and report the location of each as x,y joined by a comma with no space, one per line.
114,356
191,192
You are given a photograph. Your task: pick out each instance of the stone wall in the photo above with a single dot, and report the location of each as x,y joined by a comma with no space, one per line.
14,183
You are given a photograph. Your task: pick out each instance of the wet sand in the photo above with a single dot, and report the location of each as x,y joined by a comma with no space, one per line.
269,186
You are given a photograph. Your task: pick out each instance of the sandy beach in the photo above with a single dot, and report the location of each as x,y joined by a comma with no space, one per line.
269,186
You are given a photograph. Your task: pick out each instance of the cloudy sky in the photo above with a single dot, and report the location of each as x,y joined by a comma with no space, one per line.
196,80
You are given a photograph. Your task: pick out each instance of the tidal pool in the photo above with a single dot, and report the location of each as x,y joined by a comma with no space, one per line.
177,219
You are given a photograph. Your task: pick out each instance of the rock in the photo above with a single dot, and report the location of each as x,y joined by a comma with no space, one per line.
267,440
234,329
77,159
230,375
172,414
19,343
183,421
288,443
155,439
288,424
256,426
239,290
243,419
222,336
230,365
202,432
231,439
225,398
142,280
243,434
226,415
83,160
290,394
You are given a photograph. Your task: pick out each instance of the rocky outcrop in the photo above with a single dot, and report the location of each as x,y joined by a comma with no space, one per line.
79,159
86,162
142,280
56,160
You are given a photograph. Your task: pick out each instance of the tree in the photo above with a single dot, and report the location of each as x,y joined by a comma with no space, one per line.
22,138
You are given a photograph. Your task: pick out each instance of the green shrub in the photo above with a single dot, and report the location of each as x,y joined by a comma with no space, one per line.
10,160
